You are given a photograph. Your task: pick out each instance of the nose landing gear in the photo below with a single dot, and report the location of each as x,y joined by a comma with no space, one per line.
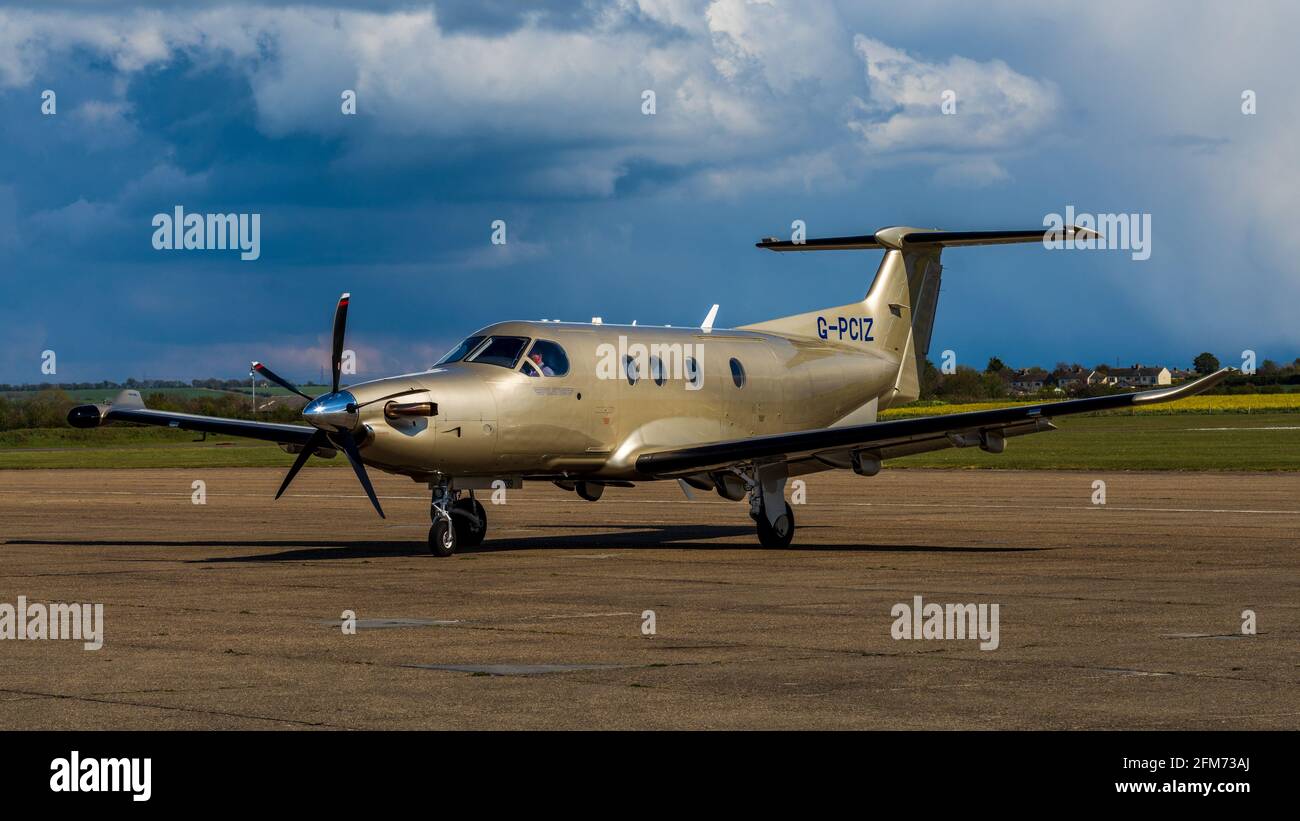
470,520
458,521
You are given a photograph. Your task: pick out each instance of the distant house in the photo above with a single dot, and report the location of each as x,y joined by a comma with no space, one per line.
1071,379
1139,376
1028,381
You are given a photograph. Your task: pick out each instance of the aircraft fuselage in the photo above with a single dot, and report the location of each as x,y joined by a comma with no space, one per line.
593,420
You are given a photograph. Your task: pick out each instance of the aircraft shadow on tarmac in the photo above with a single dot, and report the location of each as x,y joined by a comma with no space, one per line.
675,537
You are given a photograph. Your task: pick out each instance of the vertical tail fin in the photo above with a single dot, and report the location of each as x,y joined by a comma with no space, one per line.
905,296
896,317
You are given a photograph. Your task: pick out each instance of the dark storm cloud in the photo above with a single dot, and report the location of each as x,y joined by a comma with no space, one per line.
477,111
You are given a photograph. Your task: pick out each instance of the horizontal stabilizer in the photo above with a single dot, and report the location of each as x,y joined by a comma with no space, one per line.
898,237
865,242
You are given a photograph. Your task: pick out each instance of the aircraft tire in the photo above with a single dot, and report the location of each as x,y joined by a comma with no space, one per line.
780,534
442,538
470,520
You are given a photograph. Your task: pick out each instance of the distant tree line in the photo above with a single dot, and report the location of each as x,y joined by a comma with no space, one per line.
48,407
967,384
136,384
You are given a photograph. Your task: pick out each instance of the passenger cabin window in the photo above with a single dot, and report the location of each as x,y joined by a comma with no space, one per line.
694,376
630,368
500,350
737,373
657,370
461,351
546,358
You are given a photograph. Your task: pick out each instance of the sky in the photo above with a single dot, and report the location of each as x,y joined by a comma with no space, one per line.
764,113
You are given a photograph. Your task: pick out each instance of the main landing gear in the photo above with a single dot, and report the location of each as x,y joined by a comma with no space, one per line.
767,505
458,521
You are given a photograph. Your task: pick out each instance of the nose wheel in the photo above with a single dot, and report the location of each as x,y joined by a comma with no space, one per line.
458,521
469,520
442,538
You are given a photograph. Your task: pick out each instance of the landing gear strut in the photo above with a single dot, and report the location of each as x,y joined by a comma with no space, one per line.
457,521
767,505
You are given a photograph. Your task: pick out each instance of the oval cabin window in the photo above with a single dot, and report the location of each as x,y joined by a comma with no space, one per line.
694,377
737,373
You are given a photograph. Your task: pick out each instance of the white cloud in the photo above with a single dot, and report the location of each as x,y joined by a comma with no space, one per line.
996,108
782,48
745,79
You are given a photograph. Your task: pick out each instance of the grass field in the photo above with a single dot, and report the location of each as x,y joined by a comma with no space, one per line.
1228,441
1116,441
264,389
126,447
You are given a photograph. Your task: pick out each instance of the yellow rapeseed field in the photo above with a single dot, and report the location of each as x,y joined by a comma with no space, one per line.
1237,403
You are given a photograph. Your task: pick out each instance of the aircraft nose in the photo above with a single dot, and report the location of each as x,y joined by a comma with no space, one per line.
333,411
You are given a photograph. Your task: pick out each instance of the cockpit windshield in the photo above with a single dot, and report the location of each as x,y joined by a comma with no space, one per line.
546,358
461,351
500,350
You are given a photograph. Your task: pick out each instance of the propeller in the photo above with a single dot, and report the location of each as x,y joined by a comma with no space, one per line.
333,414
272,376
318,439
340,325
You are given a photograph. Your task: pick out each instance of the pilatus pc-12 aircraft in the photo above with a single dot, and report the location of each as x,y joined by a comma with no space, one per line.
588,406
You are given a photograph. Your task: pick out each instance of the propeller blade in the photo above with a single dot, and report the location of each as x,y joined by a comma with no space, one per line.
317,440
349,445
272,376
340,325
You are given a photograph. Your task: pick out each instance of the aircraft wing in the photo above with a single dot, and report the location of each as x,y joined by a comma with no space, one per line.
128,407
856,445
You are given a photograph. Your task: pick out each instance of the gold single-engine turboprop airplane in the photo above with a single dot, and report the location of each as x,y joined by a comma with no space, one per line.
587,406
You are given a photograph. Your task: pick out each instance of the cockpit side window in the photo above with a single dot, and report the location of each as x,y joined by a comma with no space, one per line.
500,350
548,357
461,351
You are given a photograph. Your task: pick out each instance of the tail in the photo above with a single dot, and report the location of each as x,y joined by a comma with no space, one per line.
896,317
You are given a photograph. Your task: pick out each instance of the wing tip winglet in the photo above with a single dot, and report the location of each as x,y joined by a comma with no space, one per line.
1186,389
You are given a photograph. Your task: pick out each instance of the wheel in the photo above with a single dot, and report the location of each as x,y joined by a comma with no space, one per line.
590,491
442,538
470,520
779,534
